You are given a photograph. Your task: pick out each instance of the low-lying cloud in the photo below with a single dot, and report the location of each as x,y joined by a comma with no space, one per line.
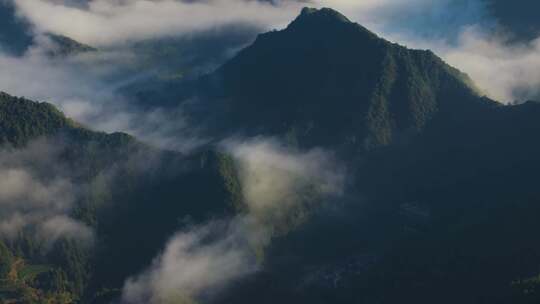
278,184
36,197
85,87
194,265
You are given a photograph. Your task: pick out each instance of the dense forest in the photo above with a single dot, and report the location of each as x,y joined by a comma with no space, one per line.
428,196
124,200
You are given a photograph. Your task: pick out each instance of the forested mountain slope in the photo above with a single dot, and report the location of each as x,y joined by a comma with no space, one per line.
450,216
130,196
444,198
325,80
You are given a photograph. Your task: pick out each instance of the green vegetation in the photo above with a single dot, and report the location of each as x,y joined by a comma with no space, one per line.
123,199
30,272
229,173
331,80
442,207
528,287
22,119
6,260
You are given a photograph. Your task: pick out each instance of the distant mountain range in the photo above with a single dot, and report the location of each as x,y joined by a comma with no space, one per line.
441,203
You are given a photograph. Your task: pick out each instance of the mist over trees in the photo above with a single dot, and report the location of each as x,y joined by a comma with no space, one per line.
320,163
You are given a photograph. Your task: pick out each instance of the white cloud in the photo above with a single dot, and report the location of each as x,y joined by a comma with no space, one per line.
506,72
195,264
85,88
62,226
35,195
277,182
109,22
19,185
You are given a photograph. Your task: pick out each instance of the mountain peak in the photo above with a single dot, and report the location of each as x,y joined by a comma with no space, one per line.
308,10
334,81
328,13
323,16
327,21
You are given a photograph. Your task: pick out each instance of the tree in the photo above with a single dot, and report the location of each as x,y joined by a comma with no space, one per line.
6,259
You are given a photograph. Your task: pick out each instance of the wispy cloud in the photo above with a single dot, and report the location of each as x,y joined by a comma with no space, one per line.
85,88
110,22
194,265
279,184
32,200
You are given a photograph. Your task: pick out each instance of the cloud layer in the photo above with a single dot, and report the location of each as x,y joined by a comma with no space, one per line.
107,22
460,31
